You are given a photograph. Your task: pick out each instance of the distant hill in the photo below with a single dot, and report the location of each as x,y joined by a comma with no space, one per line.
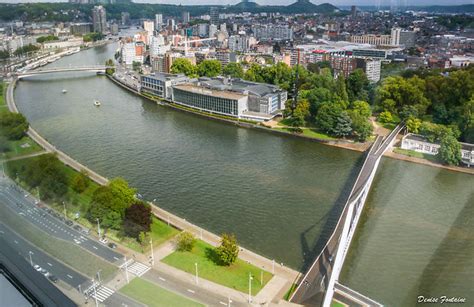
306,6
465,8
246,5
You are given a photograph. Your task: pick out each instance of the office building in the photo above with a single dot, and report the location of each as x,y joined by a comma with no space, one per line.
400,37
272,32
133,52
149,27
80,28
372,39
232,97
158,22
99,20
185,17
159,84
214,15
212,30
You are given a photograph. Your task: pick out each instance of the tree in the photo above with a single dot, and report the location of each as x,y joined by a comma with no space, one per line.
4,54
185,242
80,182
343,125
413,124
385,117
361,127
362,107
327,116
450,150
209,68
137,219
233,70
183,66
228,251
13,125
112,220
136,65
46,38
357,84
4,147
341,90
301,112
25,49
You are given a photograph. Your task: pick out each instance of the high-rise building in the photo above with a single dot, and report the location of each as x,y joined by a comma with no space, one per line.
403,37
214,14
125,18
186,17
172,24
158,22
212,30
273,32
149,26
99,20
354,11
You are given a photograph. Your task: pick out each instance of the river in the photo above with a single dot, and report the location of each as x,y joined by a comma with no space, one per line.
276,193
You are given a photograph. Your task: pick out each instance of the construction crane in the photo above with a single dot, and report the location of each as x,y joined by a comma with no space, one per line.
186,42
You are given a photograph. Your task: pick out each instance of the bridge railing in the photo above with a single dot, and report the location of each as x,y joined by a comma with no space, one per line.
324,261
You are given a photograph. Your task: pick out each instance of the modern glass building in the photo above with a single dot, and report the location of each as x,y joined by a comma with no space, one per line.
221,102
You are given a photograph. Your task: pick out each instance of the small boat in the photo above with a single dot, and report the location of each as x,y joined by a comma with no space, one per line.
97,103
64,91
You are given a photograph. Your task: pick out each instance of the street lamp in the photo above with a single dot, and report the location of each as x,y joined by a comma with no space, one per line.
152,253
64,205
98,226
95,293
98,275
31,259
126,270
197,280
229,301
250,287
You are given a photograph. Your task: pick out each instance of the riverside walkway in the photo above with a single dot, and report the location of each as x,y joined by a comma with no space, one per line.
317,286
267,264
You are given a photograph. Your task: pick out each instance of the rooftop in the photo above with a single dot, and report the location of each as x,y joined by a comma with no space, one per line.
204,91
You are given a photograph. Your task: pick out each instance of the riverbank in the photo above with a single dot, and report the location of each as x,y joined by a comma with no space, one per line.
162,214
359,147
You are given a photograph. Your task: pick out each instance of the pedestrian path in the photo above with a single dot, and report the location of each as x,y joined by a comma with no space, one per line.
102,293
138,268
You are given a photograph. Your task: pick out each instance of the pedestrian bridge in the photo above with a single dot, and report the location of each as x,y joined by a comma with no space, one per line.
96,68
318,285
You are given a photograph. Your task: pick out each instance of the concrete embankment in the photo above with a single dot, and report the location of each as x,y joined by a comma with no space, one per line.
247,255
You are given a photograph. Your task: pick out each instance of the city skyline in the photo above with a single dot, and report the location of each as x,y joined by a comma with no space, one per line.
277,2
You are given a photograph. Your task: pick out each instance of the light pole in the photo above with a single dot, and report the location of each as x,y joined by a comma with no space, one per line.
152,253
250,287
95,293
98,275
196,265
31,259
80,289
64,205
229,301
98,227
126,270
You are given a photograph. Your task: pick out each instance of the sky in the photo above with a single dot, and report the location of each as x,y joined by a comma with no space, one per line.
285,2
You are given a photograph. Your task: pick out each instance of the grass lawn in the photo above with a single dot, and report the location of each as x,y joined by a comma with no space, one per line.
335,303
415,154
235,276
160,233
66,252
153,296
309,132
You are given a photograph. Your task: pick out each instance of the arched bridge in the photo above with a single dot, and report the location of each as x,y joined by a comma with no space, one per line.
318,285
96,68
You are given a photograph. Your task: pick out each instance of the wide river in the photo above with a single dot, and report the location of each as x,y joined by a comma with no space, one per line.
279,195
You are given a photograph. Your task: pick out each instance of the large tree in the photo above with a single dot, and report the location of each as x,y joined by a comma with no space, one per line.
13,125
233,70
357,85
450,150
228,251
183,66
209,68
137,219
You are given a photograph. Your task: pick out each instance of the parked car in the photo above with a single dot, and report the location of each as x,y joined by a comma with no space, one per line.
69,222
37,267
53,278
112,245
103,240
77,227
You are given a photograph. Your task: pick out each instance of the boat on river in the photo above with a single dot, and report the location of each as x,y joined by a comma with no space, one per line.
97,103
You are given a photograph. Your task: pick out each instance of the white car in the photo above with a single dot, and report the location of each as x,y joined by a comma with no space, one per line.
103,240
37,267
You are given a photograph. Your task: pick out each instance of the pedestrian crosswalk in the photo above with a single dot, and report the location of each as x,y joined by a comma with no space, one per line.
138,268
101,293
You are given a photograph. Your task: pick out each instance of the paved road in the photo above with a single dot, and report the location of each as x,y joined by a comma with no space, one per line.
40,258
51,222
188,289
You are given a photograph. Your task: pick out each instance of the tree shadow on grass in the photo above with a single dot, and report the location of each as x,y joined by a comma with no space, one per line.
211,254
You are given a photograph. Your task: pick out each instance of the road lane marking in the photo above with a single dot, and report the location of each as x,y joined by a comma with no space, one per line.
49,264
161,278
16,242
191,291
222,303
69,276
94,247
116,258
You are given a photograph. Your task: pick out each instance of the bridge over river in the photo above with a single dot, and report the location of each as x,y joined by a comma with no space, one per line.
318,285
29,73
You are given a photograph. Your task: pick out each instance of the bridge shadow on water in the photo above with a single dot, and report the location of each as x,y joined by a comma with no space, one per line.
310,250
